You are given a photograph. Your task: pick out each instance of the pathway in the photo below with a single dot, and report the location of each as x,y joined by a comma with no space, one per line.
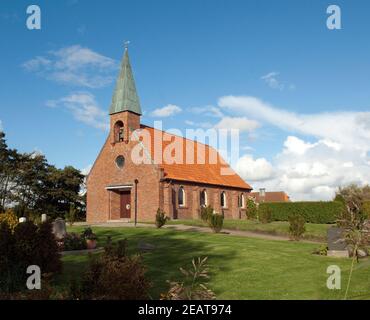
182,227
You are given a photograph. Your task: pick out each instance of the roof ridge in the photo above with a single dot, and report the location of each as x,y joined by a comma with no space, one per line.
176,135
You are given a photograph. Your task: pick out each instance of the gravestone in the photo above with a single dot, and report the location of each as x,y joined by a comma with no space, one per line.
337,245
59,228
44,217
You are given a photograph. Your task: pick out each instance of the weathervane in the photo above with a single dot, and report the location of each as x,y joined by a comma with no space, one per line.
126,43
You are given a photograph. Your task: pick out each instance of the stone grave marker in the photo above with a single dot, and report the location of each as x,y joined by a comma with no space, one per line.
337,246
59,228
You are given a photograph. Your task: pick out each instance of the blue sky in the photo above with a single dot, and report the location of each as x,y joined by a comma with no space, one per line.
204,57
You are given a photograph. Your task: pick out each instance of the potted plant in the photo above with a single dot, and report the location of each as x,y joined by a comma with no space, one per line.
90,237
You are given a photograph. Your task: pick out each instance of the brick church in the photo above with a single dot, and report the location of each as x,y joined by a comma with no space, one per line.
119,188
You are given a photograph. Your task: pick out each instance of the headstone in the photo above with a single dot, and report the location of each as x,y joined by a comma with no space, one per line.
59,228
337,245
144,246
22,219
44,217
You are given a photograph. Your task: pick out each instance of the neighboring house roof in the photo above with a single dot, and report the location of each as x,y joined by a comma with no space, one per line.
204,171
125,97
275,196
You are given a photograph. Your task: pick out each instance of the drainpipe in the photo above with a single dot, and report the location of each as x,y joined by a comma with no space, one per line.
136,182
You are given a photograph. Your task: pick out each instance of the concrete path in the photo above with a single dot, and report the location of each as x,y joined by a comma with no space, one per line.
182,227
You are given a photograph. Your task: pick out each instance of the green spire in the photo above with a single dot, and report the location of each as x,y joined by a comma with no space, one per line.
125,97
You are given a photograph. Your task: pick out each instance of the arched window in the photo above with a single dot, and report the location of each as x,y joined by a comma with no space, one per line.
181,197
223,199
203,198
241,201
118,132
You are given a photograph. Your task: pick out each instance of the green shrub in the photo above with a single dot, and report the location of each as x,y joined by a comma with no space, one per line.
252,208
73,241
296,226
264,214
366,209
216,222
313,212
205,213
160,218
192,286
321,251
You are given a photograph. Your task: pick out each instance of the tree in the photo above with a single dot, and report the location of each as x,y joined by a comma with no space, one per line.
32,186
353,220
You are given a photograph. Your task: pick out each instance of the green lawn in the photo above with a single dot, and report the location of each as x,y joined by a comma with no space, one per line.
313,231
241,268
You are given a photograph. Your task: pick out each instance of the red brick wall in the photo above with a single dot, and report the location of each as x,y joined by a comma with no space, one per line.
191,209
104,205
105,173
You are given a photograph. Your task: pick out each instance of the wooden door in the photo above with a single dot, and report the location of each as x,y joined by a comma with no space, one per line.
125,204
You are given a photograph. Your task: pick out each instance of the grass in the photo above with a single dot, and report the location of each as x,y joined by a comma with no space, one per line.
241,268
314,231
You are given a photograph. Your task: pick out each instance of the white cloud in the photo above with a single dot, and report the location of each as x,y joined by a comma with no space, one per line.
350,129
271,79
74,65
311,170
210,111
204,125
1,126
84,108
254,169
242,124
166,111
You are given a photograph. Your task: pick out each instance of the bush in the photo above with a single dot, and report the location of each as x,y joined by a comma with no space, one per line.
114,276
264,214
296,226
205,213
48,252
321,251
28,245
73,241
366,209
313,212
160,218
88,234
192,287
252,208
216,222
10,218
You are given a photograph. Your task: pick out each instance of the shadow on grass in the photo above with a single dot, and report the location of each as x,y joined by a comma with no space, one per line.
171,250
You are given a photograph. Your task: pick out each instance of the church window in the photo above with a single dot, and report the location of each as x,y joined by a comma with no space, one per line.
120,161
181,197
118,132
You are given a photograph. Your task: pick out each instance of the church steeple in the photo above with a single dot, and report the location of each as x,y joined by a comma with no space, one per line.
125,97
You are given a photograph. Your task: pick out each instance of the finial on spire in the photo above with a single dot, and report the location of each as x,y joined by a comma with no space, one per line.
126,43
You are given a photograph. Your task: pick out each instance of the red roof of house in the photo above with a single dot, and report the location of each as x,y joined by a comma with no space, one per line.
203,170
274,196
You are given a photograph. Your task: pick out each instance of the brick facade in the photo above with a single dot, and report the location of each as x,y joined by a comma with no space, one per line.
153,191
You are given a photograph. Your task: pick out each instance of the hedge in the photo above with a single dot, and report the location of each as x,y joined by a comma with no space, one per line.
366,208
313,212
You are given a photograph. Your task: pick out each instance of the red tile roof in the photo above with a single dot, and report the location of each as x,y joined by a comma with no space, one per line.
275,196
203,171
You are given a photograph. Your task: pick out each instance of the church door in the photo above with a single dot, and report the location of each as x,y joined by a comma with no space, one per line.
125,204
